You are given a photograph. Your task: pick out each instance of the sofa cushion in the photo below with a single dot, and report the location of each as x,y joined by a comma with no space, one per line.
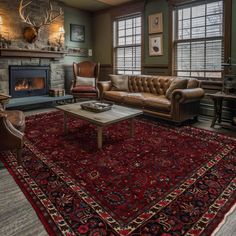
115,96
193,83
84,89
119,82
160,102
135,99
149,84
178,83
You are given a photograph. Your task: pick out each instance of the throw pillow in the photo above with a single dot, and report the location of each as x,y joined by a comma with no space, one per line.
85,81
177,83
192,83
119,82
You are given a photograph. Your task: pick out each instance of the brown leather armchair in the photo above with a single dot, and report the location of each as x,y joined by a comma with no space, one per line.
12,126
84,84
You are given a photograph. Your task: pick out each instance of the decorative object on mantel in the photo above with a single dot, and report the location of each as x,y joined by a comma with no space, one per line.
77,52
31,32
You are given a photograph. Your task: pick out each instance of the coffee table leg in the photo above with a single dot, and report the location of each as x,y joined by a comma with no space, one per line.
132,127
99,138
65,123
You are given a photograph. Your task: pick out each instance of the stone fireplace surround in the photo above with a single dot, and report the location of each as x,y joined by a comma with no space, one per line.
12,29
56,71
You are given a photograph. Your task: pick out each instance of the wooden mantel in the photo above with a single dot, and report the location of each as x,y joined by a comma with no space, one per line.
10,52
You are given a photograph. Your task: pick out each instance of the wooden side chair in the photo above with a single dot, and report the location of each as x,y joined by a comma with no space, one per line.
12,126
84,83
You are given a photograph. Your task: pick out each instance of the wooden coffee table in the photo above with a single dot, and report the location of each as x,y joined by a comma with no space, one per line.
102,119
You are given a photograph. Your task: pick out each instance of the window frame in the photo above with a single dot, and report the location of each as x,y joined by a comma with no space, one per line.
227,21
115,38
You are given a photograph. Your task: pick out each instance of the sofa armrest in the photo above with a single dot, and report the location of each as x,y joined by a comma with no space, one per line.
104,86
187,95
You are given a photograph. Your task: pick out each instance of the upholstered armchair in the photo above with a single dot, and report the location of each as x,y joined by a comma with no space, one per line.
84,84
12,126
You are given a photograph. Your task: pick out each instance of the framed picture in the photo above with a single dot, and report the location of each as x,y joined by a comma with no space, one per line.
77,33
155,45
155,23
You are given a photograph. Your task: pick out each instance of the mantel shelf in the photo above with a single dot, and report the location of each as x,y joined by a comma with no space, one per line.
10,52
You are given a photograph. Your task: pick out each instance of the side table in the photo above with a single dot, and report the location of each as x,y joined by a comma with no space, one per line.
218,100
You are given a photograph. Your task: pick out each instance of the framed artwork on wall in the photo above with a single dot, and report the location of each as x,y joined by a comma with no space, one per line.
77,33
156,45
155,23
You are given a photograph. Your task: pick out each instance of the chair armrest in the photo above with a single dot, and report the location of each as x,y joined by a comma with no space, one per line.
11,138
4,99
104,86
187,95
4,96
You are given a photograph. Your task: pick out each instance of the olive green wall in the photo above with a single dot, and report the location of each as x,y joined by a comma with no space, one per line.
233,47
79,17
153,7
102,31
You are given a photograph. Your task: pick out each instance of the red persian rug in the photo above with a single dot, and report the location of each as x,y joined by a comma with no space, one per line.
164,181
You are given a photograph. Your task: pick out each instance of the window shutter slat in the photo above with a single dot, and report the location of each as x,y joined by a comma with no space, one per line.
128,48
199,39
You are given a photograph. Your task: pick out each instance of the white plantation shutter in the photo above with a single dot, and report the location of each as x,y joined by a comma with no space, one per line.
127,45
198,39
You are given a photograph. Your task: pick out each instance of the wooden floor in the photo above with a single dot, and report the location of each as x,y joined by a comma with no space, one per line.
18,218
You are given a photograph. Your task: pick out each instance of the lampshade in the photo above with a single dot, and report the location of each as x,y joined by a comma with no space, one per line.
1,20
61,30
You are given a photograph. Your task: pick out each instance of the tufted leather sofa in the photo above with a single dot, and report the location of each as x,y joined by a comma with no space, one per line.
148,93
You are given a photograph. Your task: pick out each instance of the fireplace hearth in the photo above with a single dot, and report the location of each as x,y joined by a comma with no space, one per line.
28,81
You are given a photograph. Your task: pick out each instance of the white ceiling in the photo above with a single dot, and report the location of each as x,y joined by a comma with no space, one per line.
94,5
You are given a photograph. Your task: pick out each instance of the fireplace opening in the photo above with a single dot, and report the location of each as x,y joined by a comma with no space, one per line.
28,81
29,84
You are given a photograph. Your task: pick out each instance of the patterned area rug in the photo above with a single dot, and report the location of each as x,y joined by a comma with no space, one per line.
164,181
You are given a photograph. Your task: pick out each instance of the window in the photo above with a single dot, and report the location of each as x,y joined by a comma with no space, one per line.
127,45
198,39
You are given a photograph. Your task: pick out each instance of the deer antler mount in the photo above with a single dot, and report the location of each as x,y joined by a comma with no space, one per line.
31,32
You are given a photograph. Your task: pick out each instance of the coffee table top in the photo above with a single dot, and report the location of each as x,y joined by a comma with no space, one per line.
116,114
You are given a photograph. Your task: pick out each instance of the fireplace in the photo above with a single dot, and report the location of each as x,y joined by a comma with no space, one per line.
28,81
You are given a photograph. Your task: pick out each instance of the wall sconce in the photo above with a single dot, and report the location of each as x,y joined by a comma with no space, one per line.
61,32
1,23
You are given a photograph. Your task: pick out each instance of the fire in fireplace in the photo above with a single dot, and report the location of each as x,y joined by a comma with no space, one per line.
29,84
28,80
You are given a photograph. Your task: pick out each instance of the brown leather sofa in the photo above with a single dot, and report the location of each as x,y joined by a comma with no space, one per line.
149,94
